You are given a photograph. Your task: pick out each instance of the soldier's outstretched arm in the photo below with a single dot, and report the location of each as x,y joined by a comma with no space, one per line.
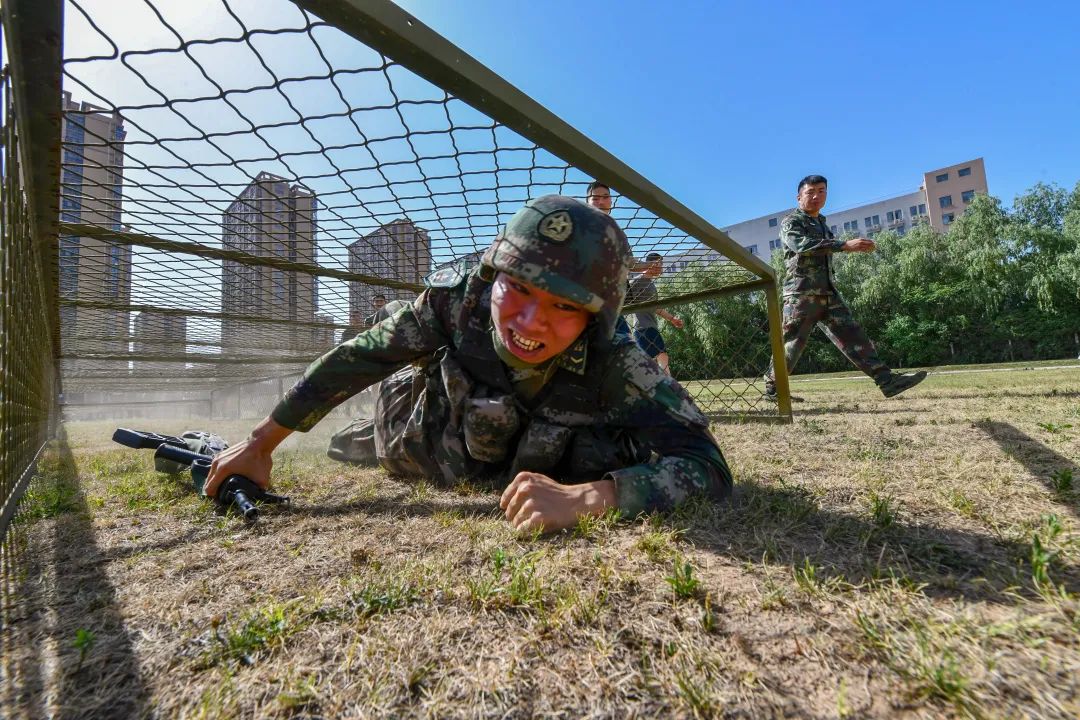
413,332
797,237
681,456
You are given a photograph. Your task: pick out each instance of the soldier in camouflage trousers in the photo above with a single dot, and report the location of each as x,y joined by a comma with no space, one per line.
511,373
811,298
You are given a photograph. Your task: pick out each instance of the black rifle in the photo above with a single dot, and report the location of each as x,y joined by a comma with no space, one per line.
196,450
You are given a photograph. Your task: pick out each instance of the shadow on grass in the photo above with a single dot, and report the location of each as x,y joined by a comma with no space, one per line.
70,607
1036,457
786,526
402,504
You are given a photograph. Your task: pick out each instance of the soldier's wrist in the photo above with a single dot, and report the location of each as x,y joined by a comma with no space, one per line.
267,435
600,496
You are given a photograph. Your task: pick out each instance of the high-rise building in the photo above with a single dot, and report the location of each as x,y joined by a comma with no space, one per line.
269,218
91,182
944,194
398,250
160,334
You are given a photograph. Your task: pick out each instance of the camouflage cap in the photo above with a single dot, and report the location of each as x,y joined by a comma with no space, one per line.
569,249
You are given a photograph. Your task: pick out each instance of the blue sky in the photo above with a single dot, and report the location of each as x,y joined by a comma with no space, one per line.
723,107
727,105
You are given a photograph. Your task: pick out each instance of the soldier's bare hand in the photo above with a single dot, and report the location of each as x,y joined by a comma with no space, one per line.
677,322
534,501
249,459
859,245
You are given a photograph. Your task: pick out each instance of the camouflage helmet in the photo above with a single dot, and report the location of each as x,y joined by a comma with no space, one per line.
568,249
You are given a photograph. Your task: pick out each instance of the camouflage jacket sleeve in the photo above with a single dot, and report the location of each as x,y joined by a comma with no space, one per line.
803,235
412,332
667,427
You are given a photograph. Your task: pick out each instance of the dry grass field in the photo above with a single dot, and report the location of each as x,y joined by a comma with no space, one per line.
914,557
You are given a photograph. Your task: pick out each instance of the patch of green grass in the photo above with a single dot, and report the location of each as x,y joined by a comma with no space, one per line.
882,510
590,527
774,596
260,631
921,652
1054,428
659,544
84,643
1043,555
299,694
52,491
1062,481
510,582
420,492
383,597
960,502
807,577
696,695
682,580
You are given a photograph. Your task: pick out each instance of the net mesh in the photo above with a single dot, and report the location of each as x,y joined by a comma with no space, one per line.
242,181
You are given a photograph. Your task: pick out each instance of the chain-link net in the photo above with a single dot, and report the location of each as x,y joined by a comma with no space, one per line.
27,369
244,184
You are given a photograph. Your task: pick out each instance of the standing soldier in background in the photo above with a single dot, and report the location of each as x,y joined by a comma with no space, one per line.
378,301
646,333
811,298
598,196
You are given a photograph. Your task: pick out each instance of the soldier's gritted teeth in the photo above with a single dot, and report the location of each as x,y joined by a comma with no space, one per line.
532,323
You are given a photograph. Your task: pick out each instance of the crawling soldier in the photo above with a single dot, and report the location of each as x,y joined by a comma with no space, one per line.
511,374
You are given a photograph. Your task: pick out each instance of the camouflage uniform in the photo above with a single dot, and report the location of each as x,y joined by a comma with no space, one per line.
811,298
600,410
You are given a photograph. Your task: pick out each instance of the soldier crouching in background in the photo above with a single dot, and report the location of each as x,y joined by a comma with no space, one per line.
518,381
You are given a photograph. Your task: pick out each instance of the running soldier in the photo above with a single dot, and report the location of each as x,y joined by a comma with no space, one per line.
811,298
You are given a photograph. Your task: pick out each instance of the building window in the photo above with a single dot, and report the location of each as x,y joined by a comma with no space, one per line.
943,177
877,220
867,222
900,229
851,226
890,216
772,222
964,172
752,249
913,211
947,218
967,196
832,229
945,201
922,209
776,244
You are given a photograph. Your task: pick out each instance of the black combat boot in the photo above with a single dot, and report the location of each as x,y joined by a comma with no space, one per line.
770,392
897,383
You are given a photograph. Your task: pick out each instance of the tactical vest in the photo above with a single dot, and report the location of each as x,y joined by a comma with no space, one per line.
467,421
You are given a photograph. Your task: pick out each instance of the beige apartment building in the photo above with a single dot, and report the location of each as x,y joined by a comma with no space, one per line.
398,250
91,183
942,197
270,218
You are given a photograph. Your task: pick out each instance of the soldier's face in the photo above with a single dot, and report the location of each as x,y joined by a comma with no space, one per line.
534,324
378,302
812,197
600,198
